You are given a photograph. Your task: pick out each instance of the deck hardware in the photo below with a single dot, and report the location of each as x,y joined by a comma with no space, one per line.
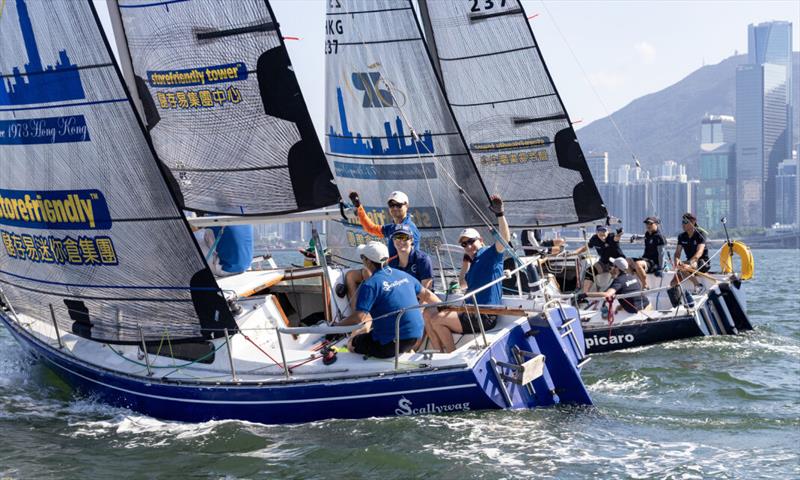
55,324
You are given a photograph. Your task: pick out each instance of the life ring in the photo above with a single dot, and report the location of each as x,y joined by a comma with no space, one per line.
739,248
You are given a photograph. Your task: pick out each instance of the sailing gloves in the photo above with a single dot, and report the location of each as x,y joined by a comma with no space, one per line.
496,205
355,200
619,231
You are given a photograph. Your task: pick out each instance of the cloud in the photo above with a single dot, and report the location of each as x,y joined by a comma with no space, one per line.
646,52
607,79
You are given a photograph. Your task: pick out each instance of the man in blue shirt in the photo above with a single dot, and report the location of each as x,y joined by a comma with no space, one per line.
233,249
410,259
482,264
386,290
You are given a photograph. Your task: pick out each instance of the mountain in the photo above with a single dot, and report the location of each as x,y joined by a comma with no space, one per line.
665,125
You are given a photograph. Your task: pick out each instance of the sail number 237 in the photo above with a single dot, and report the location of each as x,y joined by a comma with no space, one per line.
479,5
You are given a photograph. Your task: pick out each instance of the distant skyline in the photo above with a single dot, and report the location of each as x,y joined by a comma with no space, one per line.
627,48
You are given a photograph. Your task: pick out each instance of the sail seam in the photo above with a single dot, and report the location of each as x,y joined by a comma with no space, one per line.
368,11
518,200
241,169
154,4
105,299
403,157
499,52
111,287
58,72
501,101
64,105
373,42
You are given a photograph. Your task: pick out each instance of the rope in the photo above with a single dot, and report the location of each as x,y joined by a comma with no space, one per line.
278,364
199,359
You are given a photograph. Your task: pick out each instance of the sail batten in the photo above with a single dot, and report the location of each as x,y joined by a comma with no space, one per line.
224,109
510,113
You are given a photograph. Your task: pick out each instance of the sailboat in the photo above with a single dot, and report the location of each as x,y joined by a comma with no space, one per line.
515,124
101,278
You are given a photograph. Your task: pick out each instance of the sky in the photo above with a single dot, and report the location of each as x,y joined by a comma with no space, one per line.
602,54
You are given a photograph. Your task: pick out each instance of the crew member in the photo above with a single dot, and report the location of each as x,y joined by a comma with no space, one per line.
386,290
607,247
398,210
623,283
652,260
410,259
481,265
693,242
233,249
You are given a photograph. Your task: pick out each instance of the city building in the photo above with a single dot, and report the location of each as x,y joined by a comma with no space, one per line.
714,195
771,42
761,129
598,165
786,188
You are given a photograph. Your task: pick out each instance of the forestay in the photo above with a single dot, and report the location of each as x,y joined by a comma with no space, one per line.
388,124
224,108
512,117
88,224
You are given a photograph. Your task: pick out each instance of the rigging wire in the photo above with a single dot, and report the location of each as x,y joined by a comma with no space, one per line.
609,115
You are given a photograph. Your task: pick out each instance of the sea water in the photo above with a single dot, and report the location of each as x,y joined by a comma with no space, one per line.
721,407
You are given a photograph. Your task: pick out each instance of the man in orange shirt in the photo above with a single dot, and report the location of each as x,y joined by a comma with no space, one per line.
398,210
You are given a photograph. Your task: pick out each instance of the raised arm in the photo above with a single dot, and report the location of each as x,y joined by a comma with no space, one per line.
366,223
496,206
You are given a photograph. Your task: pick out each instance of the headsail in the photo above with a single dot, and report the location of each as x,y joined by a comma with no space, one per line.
223,106
388,124
88,225
512,117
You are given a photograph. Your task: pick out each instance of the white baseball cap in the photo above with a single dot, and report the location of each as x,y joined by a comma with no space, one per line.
398,197
469,233
620,263
375,251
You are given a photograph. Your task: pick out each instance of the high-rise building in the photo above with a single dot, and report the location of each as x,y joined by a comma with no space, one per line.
717,129
714,196
771,42
786,188
671,198
598,165
760,141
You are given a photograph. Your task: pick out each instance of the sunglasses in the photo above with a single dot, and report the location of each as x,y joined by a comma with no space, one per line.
686,222
465,243
649,223
402,237
396,205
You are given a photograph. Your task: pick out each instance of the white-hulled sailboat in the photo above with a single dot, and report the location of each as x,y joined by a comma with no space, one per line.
101,277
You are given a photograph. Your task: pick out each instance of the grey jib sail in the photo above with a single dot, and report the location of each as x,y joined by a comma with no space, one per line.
224,108
388,125
513,120
87,222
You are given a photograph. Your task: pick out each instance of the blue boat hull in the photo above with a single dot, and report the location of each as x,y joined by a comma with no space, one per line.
423,391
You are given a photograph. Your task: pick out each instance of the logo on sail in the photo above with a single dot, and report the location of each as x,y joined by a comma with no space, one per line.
39,84
374,96
55,209
192,98
512,152
397,142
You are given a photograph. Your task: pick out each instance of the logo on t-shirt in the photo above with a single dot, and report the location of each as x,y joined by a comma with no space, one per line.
388,286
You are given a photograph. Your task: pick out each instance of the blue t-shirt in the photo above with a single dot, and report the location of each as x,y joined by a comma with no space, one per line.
235,248
389,290
419,265
486,266
389,229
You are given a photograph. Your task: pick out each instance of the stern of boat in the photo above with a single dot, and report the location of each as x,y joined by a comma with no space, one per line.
538,363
